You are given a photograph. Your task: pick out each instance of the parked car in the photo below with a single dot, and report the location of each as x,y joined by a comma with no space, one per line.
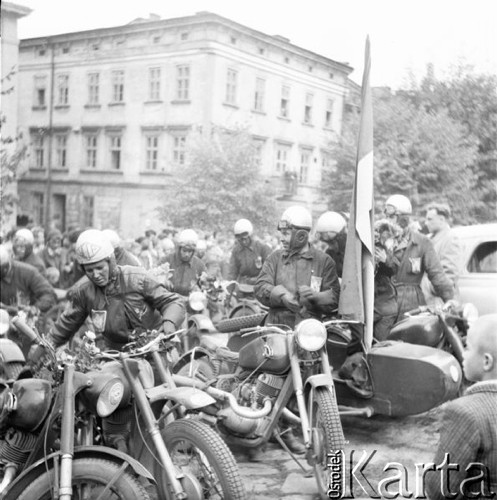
478,279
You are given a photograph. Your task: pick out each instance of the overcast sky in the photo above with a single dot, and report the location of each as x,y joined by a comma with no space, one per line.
405,34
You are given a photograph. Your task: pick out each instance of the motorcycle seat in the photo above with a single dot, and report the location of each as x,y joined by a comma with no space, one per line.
246,289
421,330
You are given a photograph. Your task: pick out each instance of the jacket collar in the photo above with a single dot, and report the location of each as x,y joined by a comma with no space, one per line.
485,386
308,254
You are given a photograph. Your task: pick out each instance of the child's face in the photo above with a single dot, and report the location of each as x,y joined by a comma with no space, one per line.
473,359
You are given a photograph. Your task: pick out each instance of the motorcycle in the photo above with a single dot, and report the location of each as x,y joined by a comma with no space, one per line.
12,358
43,453
187,458
416,369
255,387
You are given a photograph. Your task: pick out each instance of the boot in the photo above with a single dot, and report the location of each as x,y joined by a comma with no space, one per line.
255,454
293,443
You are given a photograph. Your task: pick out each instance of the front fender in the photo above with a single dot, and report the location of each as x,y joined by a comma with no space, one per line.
319,380
10,352
202,323
46,463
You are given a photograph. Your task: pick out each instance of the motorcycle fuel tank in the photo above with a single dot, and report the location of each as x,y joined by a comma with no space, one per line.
269,353
419,329
34,397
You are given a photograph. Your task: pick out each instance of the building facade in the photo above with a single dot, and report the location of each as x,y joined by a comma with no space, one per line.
108,114
11,13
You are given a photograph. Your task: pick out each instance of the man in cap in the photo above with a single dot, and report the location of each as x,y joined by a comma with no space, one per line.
248,254
331,229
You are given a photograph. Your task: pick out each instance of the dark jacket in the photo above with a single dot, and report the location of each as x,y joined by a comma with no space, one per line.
24,285
312,268
468,433
336,250
36,261
246,262
416,258
133,300
185,274
126,258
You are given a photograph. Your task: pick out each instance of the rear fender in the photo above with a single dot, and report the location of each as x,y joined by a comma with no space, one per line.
46,463
197,353
10,352
201,322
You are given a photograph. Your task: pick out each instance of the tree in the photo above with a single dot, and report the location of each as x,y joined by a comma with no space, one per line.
419,152
220,183
12,153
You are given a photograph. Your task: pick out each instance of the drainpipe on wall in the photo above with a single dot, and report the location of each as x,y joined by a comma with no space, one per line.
48,187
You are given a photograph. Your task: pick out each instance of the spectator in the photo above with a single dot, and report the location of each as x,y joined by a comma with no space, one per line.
39,239
468,432
22,245
446,244
53,254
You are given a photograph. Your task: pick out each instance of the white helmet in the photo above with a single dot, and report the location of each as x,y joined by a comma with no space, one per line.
330,222
25,234
243,226
92,246
401,204
113,237
202,245
188,238
296,217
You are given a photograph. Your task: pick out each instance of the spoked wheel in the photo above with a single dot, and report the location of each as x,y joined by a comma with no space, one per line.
201,453
327,435
92,478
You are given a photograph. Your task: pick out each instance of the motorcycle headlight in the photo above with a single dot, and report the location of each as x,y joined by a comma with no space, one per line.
470,313
197,301
310,334
106,392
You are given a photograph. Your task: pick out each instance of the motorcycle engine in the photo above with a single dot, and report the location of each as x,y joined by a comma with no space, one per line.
251,394
15,446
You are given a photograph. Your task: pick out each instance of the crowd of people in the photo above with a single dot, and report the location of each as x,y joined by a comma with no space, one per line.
296,276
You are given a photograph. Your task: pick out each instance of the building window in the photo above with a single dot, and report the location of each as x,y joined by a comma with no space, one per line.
231,85
233,40
328,116
38,141
281,158
156,39
115,152
151,152
258,151
261,51
260,85
154,84
179,149
91,148
40,88
118,86
305,160
61,151
285,101
183,82
62,90
184,36
38,205
93,88
308,109
88,211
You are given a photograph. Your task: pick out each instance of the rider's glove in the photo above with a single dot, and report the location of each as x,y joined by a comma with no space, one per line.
450,305
307,296
168,327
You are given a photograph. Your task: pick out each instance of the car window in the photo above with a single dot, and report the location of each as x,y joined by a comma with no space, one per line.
484,258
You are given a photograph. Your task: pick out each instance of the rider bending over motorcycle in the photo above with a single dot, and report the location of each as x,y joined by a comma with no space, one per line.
118,300
297,282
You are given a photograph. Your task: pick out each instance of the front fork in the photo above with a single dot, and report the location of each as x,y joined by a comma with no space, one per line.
299,386
154,431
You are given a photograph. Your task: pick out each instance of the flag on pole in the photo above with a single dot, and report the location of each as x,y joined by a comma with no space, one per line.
357,293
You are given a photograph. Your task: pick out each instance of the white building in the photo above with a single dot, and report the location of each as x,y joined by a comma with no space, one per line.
109,112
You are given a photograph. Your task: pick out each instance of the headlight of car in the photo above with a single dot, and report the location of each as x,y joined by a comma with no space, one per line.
470,313
310,334
197,301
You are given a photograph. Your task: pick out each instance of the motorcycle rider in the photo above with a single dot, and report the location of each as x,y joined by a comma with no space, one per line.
297,281
416,256
186,267
123,256
248,254
331,228
119,300
22,246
